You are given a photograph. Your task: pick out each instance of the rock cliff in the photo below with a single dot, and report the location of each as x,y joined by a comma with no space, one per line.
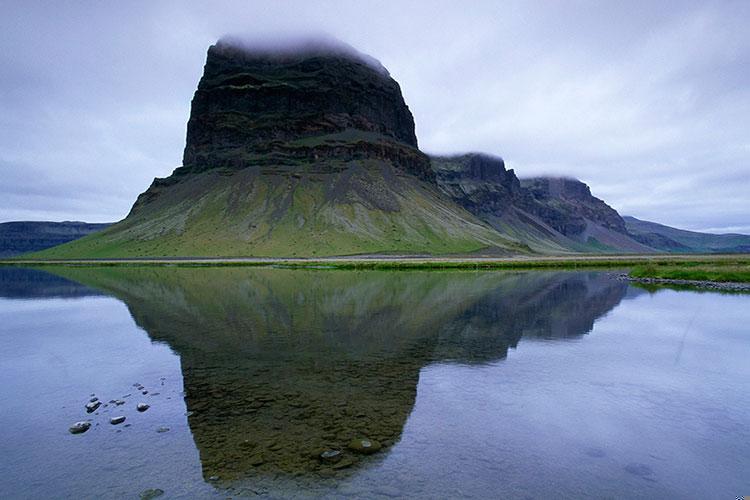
314,99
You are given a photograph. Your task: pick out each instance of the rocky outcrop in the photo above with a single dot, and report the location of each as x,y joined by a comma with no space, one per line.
549,214
478,182
311,100
568,205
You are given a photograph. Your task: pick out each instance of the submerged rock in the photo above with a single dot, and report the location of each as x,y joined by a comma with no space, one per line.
162,429
151,493
364,446
80,427
330,456
117,420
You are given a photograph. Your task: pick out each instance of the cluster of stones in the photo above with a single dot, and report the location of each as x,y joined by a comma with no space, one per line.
94,404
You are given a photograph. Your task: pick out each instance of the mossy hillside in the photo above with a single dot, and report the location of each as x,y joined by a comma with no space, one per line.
367,209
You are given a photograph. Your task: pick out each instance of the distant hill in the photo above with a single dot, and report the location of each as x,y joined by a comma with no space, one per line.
670,239
29,236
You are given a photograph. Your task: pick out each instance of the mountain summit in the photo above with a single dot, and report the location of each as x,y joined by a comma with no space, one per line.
276,106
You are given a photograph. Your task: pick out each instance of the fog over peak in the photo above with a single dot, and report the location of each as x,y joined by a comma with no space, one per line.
296,45
648,103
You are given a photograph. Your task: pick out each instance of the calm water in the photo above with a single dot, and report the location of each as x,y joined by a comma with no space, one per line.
477,384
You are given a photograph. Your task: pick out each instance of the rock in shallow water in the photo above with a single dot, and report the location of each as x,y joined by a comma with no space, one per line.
92,406
117,420
330,456
151,493
80,427
142,407
364,446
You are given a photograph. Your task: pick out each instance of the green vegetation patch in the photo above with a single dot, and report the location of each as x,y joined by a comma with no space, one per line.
729,271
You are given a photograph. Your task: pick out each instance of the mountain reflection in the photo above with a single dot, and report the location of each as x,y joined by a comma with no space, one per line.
280,365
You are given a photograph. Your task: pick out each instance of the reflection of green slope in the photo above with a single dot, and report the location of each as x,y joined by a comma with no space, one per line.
280,363
366,207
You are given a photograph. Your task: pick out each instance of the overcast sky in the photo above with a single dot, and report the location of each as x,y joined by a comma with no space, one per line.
647,102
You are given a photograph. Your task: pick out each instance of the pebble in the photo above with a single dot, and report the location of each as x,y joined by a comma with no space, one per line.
119,402
142,407
162,429
79,427
93,399
117,420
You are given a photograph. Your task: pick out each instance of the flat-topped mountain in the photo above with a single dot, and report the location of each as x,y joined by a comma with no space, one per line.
305,150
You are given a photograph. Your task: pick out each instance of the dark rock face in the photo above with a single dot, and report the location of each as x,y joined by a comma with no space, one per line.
29,236
316,101
567,205
478,182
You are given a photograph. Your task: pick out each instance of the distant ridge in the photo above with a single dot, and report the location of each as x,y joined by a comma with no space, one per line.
670,239
30,236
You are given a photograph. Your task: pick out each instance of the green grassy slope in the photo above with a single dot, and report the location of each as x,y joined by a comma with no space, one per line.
365,207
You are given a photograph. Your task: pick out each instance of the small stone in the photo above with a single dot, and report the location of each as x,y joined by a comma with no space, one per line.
142,407
343,464
155,393
144,392
213,478
119,402
330,456
162,429
364,446
92,406
79,427
151,493
127,395
93,399
257,460
117,420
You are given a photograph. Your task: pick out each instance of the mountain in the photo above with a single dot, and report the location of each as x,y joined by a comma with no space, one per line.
30,236
300,151
551,215
309,149
670,239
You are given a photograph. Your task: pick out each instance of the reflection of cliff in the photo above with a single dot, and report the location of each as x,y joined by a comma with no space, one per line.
279,365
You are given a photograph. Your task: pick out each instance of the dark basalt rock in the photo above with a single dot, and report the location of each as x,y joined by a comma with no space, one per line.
478,182
567,204
316,99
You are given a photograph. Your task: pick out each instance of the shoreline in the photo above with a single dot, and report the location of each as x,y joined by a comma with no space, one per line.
727,286
401,261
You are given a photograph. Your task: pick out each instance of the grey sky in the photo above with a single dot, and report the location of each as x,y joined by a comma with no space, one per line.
650,105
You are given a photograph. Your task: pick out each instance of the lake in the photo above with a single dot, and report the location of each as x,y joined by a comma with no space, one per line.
376,384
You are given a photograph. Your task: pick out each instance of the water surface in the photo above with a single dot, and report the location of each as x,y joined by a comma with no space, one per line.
477,384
